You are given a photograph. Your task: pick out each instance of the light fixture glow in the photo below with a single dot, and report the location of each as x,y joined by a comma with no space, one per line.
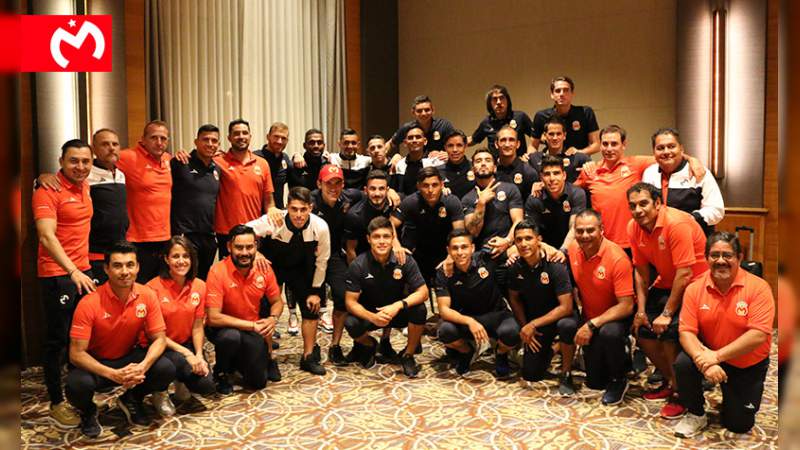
718,94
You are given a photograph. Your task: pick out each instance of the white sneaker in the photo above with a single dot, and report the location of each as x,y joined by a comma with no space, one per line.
182,393
326,323
294,325
690,425
163,404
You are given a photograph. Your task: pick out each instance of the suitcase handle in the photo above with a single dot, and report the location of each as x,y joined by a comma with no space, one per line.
752,238
745,228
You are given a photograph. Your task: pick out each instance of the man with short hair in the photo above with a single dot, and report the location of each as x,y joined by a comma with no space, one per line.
457,170
383,293
603,278
62,224
510,168
555,207
435,129
375,203
299,250
313,159
540,293
555,133
242,338
377,150
498,105
350,160
195,187
726,325
405,176
472,307
103,349
673,242
280,165
583,136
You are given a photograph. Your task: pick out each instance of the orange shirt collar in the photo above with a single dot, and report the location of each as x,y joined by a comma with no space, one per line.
604,168
147,154
109,293
232,159
737,281
68,184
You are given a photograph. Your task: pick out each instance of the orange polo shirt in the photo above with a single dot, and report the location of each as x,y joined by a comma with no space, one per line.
787,305
72,210
242,189
148,183
112,326
677,241
719,319
601,279
608,189
180,305
238,296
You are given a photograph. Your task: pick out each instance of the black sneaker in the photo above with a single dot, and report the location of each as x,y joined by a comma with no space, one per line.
275,345
316,352
311,365
276,334
367,356
464,361
354,355
386,351
336,357
566,386
224,387
656,377
273,372
410,367
615,392
133,409
639,363
501,366
90,427
707,385
418,350
451,356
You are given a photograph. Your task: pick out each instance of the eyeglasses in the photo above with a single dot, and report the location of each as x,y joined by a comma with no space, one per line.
727,256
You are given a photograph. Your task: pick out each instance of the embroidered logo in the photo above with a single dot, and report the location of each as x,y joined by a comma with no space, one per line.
625,171
141,310
369,276
216,175
705,307
567,207
566,162
260,281
513,124
517,178
544,278
436,136
662,244
501,196
284,165
483,273
195,298
442,212
165,299
576,125
257,170
63,299
397,274
741,308
470,175
601,273
106,315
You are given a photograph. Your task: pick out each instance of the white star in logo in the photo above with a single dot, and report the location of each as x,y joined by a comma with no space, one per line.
71,23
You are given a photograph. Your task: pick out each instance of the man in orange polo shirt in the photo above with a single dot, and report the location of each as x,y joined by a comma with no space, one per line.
603,277
104,337
148,181
63,220
725,331
245,185
673,242
234,292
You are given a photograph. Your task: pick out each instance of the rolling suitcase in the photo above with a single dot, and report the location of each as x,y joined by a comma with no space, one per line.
748,264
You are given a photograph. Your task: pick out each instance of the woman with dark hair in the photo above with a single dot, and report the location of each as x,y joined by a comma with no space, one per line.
182,298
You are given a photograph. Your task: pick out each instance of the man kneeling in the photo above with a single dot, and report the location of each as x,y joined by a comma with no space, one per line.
105,329
376,285
471,305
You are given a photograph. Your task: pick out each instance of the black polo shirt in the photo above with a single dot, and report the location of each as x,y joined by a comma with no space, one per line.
194,195
579,122
459,177
539,286
335,216
497,216
357,219
440,129
382,285
490,125
279,167
404,178
474,292
308,175
571,163
519,174
109,200
552,215
425,227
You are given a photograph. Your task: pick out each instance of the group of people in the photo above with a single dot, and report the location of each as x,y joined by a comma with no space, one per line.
541,250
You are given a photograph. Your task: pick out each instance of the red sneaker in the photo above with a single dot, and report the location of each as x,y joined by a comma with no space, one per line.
672,410
661,393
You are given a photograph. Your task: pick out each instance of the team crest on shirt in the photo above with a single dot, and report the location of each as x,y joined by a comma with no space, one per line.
513,124
625,171
576,125
283,164
260,281
501,196
397,274
601,273
566,162
442,212
517,178
470,175
216,175
483,273
195,298
257,170
741,308
63,299
141,310
165,299
567,207
662,244
436,136
544,278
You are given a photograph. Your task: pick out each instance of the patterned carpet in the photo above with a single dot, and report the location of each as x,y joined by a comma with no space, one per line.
379,408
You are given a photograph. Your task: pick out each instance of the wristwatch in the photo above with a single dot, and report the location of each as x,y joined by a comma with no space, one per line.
591,326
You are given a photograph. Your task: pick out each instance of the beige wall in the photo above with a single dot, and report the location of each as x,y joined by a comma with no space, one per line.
621,54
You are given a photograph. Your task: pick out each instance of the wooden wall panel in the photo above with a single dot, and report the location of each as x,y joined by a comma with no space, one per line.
135,69
771,197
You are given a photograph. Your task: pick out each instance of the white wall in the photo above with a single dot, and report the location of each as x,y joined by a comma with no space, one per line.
621,54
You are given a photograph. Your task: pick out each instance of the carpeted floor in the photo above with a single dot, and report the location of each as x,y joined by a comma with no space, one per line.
379,408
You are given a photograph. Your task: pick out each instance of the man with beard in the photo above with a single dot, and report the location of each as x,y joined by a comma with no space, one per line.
725,330
305,170
603,278
435,129
510,167
457,170
498,104
354,165
405,176
554,136
299,250
555,207
384,293
472,307
234,292
673,242
280,165
583,135
62,225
